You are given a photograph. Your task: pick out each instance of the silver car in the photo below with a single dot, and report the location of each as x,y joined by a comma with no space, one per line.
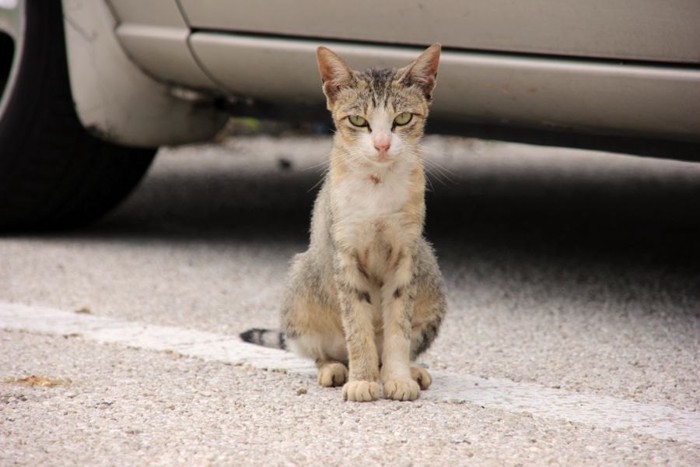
90,88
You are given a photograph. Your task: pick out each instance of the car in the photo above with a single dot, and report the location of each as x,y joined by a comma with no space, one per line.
91,88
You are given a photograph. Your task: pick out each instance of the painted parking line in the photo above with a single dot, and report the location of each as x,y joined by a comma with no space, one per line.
600,411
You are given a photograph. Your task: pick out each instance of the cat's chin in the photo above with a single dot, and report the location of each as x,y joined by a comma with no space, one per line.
382,161
382,167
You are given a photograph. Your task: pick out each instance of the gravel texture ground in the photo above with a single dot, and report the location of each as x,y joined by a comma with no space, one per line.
572,270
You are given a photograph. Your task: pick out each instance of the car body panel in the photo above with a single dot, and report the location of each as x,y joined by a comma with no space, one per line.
163,53
597,97
156,13
644,30
572,68
154,34
114,98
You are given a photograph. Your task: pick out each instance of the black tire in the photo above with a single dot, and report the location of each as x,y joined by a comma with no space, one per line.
53,173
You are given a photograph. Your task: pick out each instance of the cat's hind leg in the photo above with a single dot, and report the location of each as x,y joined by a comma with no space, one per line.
421,376
311,322
429,311
331,373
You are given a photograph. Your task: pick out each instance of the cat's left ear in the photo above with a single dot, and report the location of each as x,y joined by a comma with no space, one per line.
422,72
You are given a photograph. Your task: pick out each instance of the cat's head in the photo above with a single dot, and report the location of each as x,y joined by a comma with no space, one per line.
379,114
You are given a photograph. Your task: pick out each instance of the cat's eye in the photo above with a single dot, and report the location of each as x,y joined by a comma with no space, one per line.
358,121
403,118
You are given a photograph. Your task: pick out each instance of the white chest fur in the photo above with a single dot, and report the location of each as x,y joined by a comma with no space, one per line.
371,221
362,198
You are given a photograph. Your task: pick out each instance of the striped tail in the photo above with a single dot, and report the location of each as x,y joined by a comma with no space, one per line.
265,337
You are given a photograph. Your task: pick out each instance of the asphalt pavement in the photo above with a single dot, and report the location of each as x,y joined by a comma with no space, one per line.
573,333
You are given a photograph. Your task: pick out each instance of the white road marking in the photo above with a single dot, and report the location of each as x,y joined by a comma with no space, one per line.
600,411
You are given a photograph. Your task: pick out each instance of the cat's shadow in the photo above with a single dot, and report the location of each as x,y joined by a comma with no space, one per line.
509,230
276,203
517,209
219,206
226,204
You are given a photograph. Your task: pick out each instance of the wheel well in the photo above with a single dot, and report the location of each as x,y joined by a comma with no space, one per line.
7,52
107,86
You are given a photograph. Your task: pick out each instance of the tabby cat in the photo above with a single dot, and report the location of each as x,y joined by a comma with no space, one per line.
367,297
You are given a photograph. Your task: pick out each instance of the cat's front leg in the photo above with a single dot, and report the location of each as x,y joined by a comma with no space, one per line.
356,308
398,305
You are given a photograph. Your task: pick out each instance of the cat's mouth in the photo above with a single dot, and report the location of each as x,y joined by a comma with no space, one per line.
382,159
381,165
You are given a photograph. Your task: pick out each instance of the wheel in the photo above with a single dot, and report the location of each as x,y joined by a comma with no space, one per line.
53,173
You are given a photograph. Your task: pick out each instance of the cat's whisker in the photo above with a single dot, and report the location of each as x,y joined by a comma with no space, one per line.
323,164
442,178
318,183
430,187
356,156
438,171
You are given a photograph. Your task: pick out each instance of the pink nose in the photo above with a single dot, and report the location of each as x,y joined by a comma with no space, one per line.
382,143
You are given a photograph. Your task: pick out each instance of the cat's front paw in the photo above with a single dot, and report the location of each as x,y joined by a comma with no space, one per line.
401,389
361,391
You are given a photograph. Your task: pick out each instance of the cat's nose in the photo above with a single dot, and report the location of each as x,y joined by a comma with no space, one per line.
382,143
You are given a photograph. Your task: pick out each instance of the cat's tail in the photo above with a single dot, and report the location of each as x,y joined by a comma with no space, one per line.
265,337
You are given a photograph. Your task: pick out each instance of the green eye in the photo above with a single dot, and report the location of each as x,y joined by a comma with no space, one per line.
403,118
358,121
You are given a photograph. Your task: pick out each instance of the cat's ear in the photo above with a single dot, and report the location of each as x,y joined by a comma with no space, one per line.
335,74
422,72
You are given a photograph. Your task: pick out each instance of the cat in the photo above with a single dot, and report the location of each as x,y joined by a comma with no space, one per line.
367,297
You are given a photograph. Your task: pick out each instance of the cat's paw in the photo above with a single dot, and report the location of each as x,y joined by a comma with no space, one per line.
421,376
401,389
332,375
361,391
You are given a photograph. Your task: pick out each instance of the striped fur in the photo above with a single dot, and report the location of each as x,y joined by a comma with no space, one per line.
367,297
266,337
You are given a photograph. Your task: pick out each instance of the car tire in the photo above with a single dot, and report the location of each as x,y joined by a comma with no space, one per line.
53,173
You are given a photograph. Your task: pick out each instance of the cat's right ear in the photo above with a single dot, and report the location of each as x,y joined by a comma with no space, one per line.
335,74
